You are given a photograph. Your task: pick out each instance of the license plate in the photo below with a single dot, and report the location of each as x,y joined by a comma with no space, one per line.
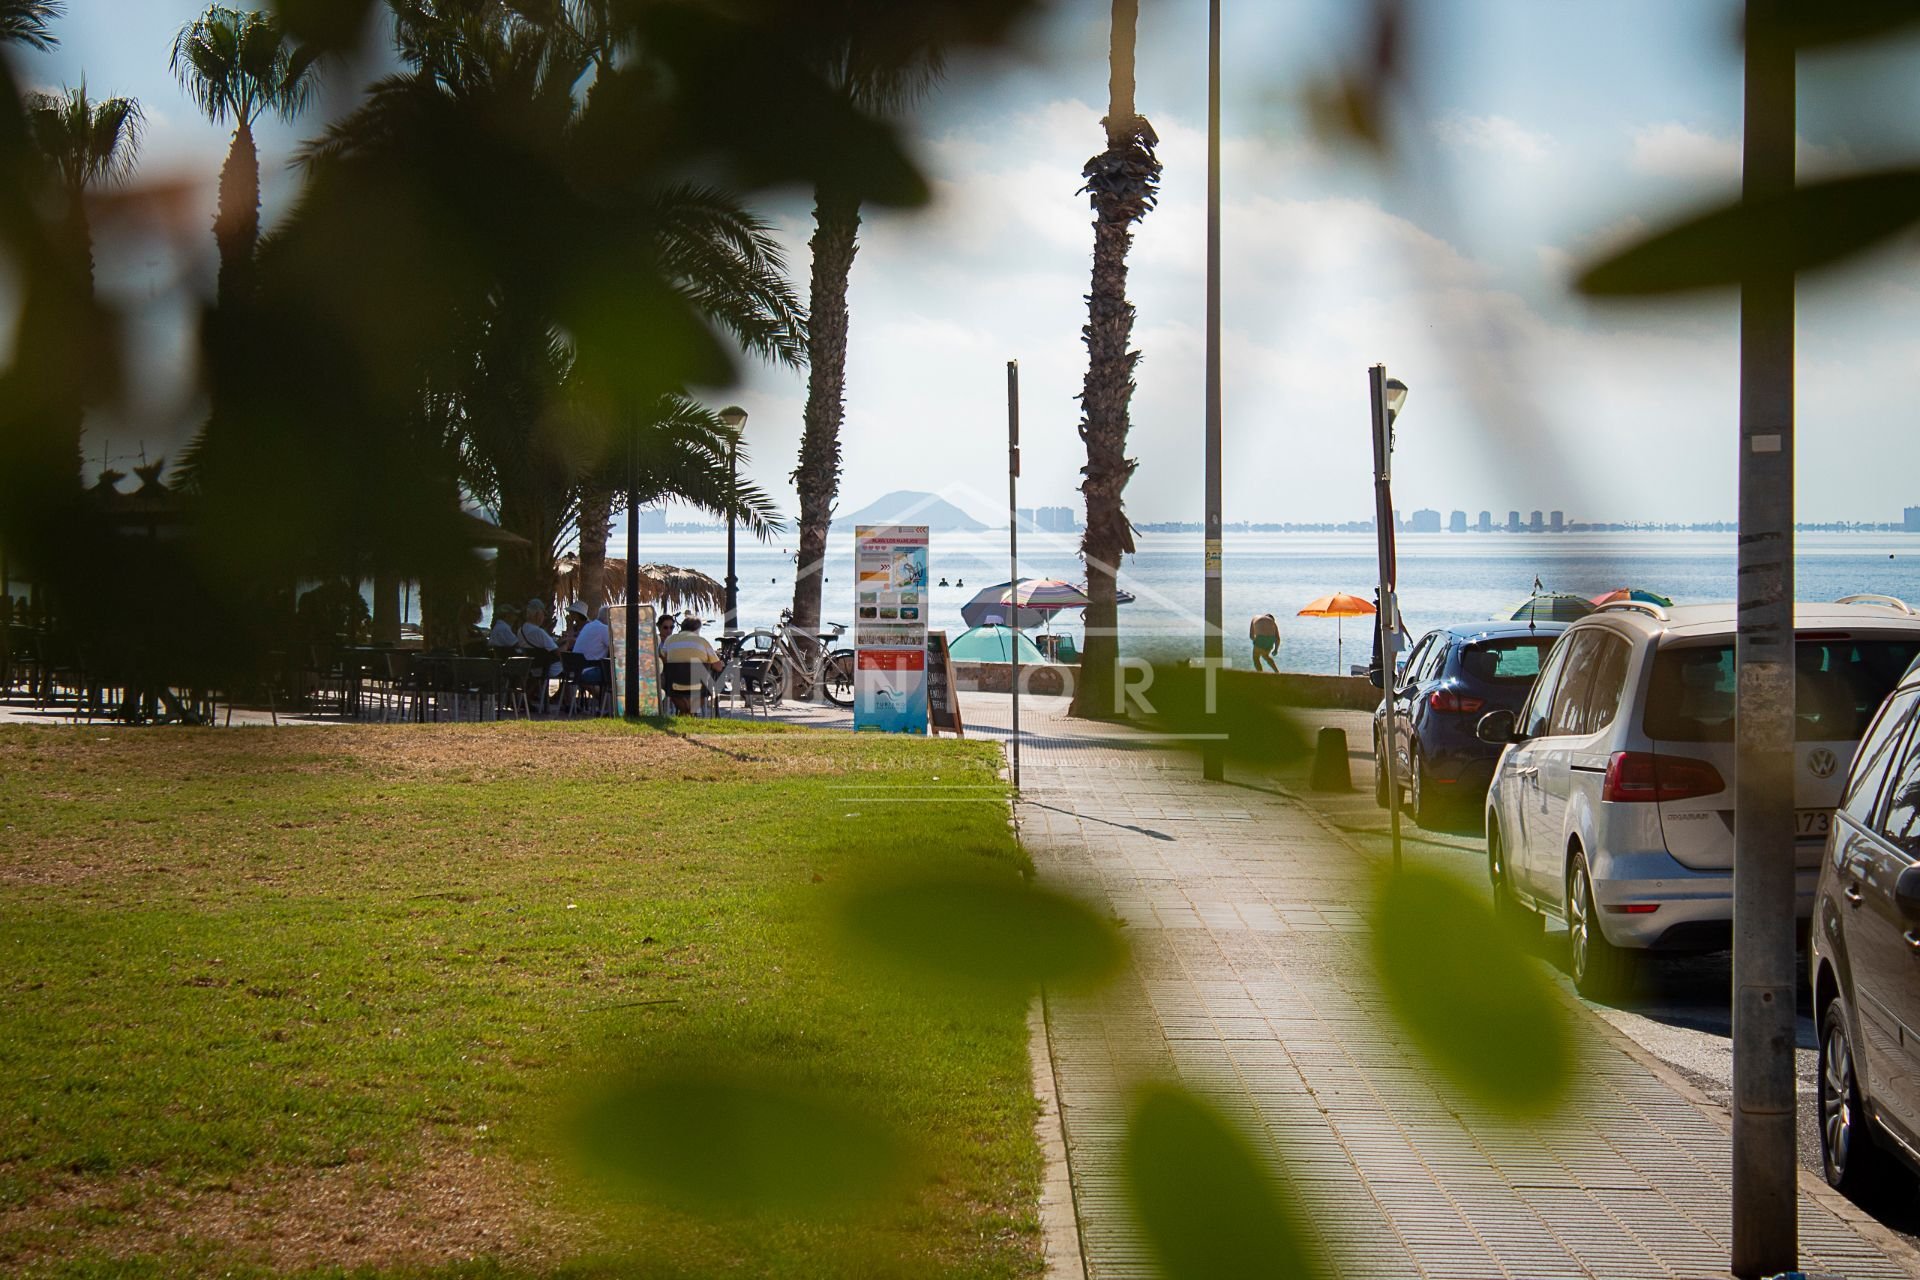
1812,822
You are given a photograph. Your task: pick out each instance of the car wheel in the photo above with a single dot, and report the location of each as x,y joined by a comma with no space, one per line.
1380,796
1425,804
1599,968
1850,1153
1506,908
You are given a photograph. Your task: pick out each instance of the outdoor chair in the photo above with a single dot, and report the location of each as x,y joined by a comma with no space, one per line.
513,673
473,684
403,685
687,678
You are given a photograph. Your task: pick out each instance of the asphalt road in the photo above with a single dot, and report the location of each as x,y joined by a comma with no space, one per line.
1678,1009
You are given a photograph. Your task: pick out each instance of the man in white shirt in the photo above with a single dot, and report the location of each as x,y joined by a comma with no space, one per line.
595,641
504,634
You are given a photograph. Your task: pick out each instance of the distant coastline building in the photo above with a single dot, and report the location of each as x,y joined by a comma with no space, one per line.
1557,521
1457,522
653,520
1486,522
1513,522
1056,519
1911,523
1536,523
1425,520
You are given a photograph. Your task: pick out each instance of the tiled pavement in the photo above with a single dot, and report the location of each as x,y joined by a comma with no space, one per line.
1250,982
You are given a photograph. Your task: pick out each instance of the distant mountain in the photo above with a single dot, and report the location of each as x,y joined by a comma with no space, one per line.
905,506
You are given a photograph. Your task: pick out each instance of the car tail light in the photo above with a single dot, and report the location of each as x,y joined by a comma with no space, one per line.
1642,777
1449,700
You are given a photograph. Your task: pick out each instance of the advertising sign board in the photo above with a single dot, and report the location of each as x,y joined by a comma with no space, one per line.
890,608
649,659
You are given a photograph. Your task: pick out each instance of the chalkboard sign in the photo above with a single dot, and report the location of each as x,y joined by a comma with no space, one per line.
943,700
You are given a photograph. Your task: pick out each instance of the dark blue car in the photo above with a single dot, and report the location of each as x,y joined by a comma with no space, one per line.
1452,677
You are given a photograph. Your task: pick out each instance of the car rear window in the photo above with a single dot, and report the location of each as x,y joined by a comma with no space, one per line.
1838,685
1515,661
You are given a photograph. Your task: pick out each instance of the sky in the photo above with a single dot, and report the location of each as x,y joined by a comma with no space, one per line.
1534,136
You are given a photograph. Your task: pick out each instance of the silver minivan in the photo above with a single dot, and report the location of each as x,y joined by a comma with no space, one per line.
1612,803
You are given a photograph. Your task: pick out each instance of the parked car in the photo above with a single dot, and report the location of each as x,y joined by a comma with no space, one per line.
1612,804
1864,957
1451,678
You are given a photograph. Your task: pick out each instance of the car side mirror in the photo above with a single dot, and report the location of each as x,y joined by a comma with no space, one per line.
1906,894
1498,728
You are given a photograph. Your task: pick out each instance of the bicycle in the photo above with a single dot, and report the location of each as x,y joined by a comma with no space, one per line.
773,665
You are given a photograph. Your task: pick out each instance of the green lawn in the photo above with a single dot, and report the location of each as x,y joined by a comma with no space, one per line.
316,1001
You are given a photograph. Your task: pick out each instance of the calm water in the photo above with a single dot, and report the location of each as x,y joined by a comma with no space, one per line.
1444,578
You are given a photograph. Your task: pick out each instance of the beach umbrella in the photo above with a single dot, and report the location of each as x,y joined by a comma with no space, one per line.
1640,594
1048,595
1339,605
1548,606
994,644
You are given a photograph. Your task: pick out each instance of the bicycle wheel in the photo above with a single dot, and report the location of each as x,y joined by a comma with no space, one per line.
781,681
837,676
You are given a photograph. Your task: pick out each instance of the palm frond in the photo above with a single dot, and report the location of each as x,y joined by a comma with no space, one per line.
29,22
86,143
725,261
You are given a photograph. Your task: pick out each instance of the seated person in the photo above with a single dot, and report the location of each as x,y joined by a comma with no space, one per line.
594,643
576,619
535,636
505,636
680,661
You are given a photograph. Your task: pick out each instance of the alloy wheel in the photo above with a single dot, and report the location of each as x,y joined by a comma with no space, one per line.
1836,1103
1579,921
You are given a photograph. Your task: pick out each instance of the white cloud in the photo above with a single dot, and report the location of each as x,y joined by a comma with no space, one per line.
1674,150
1498,135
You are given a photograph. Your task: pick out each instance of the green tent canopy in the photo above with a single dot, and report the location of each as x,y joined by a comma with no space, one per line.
992,644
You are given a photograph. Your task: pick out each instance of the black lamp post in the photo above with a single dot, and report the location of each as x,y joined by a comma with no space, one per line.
631,691
1388,395
734,418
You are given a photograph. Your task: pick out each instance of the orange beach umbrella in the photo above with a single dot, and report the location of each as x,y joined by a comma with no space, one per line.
1339,605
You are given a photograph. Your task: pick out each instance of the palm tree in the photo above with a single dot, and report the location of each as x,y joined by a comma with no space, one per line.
883,80
80,144
27,22
239,65
1122,183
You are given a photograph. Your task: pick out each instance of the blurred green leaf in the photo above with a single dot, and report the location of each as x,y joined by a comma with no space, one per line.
1207,1203
330,26
993,933
1831,22
1233,712
734,1146
1819,223
1481,1011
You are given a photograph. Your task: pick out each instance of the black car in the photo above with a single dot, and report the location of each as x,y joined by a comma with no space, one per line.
1865,954
1452,677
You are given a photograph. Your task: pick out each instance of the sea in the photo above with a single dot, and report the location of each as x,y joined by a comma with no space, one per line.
1445,578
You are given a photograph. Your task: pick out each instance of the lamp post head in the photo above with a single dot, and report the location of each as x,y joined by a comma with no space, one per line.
734,417
1396,397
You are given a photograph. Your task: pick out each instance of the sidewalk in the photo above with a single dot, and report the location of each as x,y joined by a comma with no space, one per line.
1250,983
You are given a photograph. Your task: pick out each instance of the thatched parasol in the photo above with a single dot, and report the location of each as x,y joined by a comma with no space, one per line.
663,584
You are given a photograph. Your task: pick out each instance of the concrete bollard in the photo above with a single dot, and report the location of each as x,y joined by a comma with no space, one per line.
1330,771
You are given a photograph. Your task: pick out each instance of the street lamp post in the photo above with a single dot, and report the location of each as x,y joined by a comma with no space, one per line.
735,420
1212,643
1387,395
630,685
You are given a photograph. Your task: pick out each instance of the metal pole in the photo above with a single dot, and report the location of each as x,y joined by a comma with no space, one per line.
1013,549
631,692
1765,977
732,623
1388,619
1212,764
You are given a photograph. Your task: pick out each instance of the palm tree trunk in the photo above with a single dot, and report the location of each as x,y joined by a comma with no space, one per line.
1121,183
236,227
817,478
596,512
